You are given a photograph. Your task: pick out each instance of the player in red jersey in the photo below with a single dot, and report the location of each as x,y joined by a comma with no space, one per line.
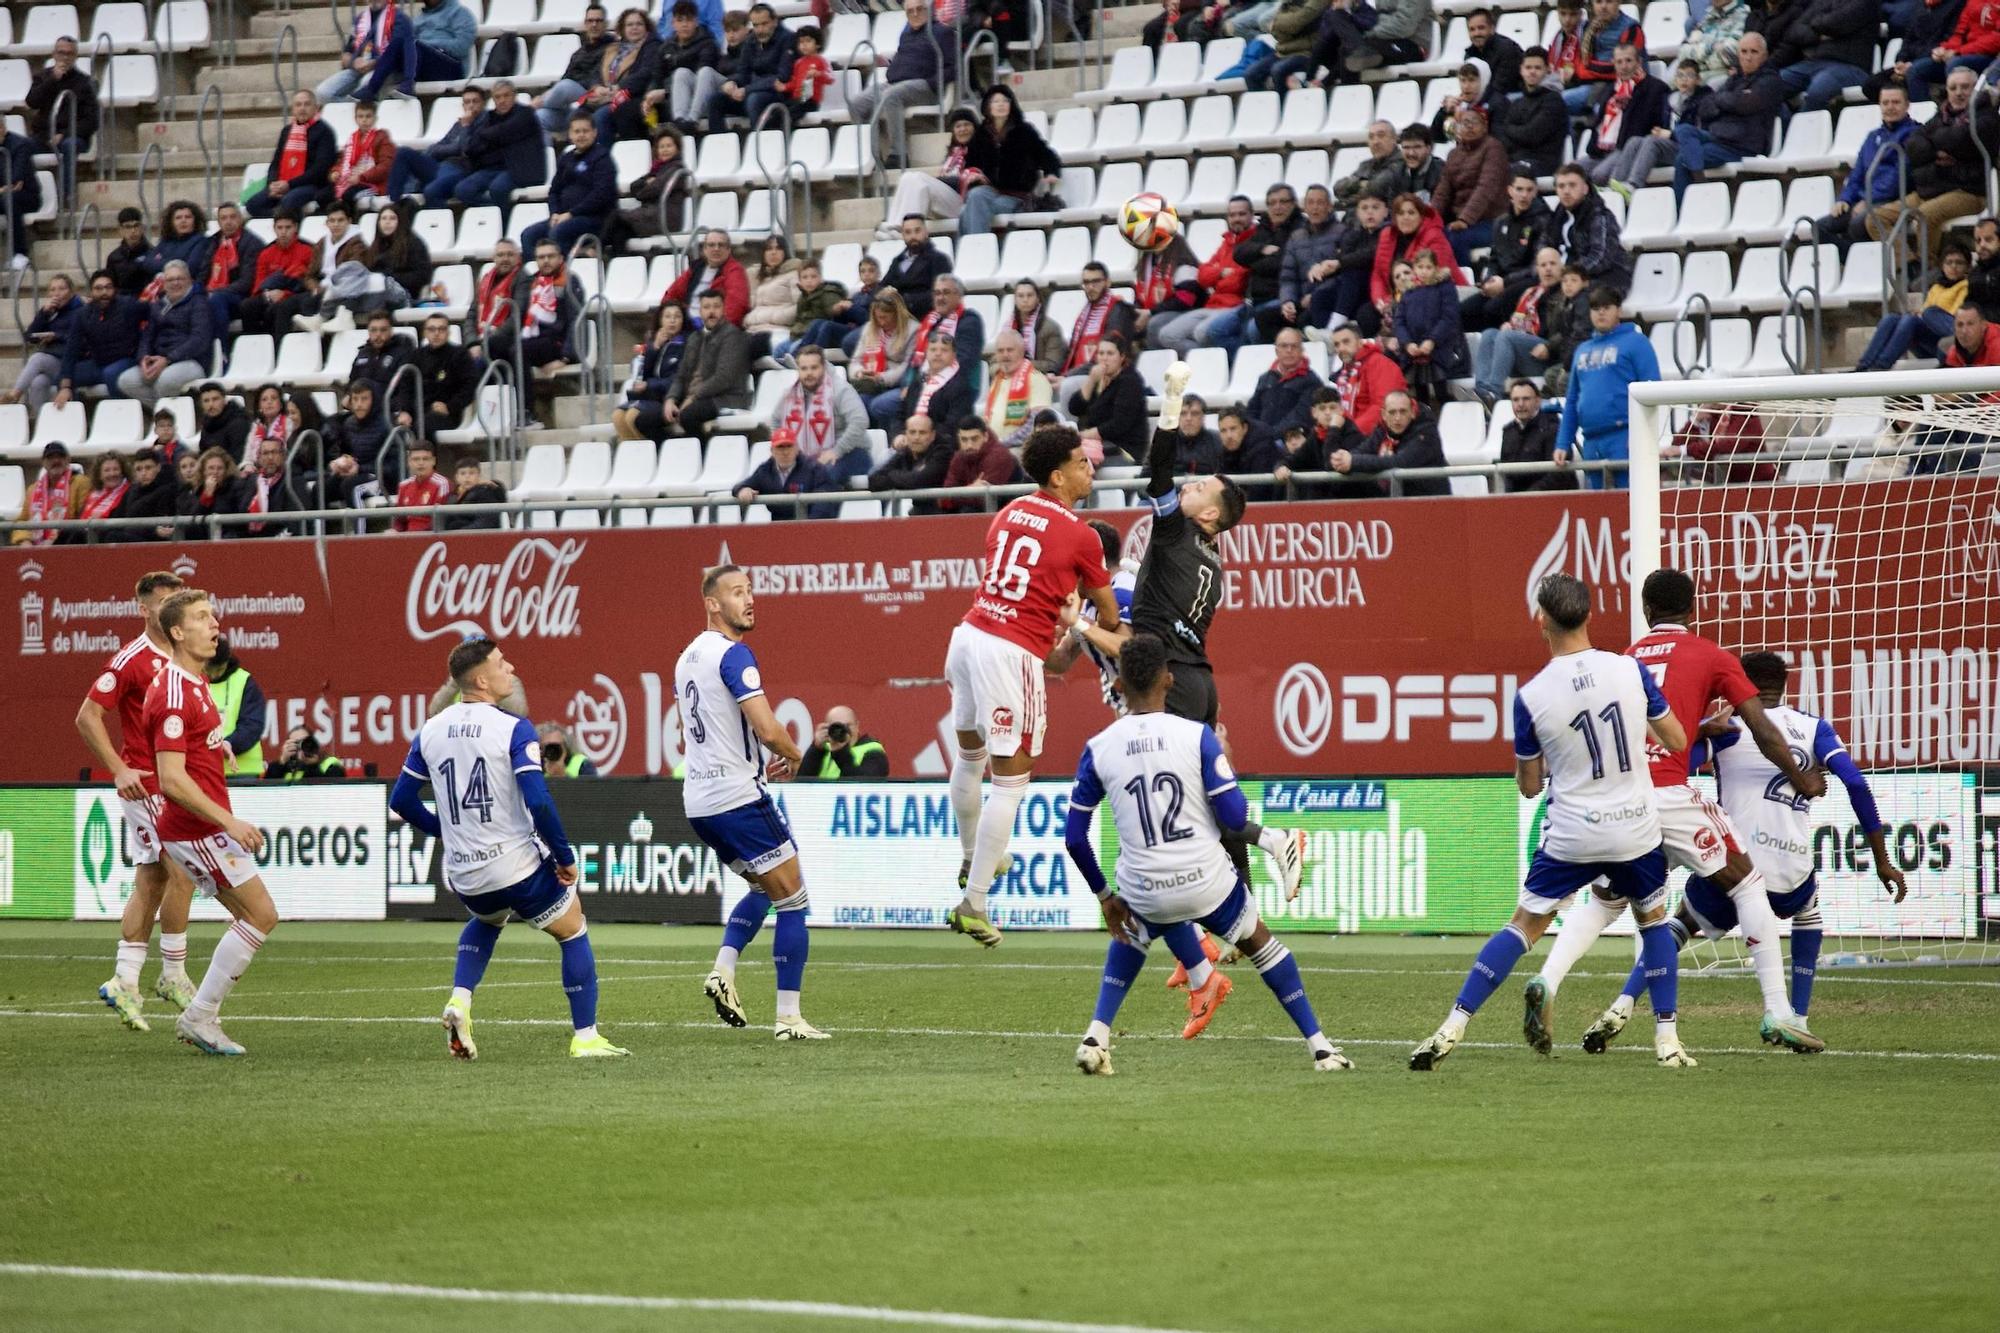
158,889
1038,552
1694,674
198,830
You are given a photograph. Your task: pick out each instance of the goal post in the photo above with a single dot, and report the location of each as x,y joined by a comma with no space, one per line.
1851,523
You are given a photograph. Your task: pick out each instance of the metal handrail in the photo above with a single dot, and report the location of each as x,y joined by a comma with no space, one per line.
1038,25
965,53
227,29
165,54
1972,123
89,219
797,168
291,34
756,132
943,89
343,29
65,98
154,154
1893,254
389,397
1816,288
865,143
7,207
29,276
1704,341
397,438
1795,310
498,372
667,229
291,473
214,164
107,109
596,356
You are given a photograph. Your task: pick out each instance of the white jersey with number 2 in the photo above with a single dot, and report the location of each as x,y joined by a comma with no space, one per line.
469,754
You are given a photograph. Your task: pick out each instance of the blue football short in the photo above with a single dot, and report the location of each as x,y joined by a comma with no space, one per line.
750,839
537,900
1715,911
1551,883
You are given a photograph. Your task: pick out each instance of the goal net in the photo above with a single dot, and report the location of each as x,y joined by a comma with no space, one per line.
1851,523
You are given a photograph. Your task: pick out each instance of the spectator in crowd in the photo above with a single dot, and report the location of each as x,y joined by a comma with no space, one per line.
1930,25
1366,376
166,441
1283,397
1973,42
183,236
279,283
811,78
470,487
979,462
223,423
244,711
641,416
1220,283
1634,112
436,171
370,57
154,494
1926,331
1430,343
785,473
1974,342
1103,313
303,759
231,268
846,314
750,82
265,488
818,300
1502,54
361,170
1947,170
1530,437
1609,28
383,354
1473,78
187,469
1405,438
950,318
714,374
885,348
174,349
926,59
23,196
916,266
1282,45
1586,233
1166,284
1735,123
1197,449
1416,169
269,421
437,46
549,299
217,490
938,194
584,190
1262,256
1533,124
446,380
1397,37
1027,314
667,176
1715,35
840,749
1509,266
67,138
297,180
354,440
1607,364
1012,163
826,417
103,341
1472,189
1518,347
1715,435
1982,285
624,71
552,109
326,285
1413,225
937,386
424,486
686,49
916,463
1308,268
46,338
1874,177
1109,408
1245,453
1630,166
1018,391
562,757
774,296
400,258
504,150
110,484
1307,447
58,492
126,261
718,269
1382,154
1826,47
1185,21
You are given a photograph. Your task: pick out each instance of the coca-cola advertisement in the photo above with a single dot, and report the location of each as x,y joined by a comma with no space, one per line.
1370,637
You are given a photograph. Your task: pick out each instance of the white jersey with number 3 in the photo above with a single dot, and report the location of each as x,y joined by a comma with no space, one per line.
1585,714
725,760
470,754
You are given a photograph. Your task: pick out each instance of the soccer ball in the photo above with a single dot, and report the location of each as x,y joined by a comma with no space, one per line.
1148,221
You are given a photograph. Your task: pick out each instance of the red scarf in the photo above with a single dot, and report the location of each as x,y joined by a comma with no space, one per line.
99,504
279,429
543,295
49,498
947,326
1347,380
1168,34
260,502
357,159
1614,114
1528,310
495,291
1014,391
932,383
222,264
1156,282
1565,51
373,43
1083,335
292,161
811,420
875,360
1025,327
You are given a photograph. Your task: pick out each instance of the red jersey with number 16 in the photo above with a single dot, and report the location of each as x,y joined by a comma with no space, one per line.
1038,552
182,717
1692,673
121,687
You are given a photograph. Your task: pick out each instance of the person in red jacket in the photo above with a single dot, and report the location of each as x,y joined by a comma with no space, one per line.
281,270
1974,342
980,461
424,486
1220,276
1972,45
1365,376
718,269
1413,225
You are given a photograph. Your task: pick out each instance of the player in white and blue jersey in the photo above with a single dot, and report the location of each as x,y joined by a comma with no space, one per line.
1074,643
504,849
1582,722
733,743
1772,817
1172,793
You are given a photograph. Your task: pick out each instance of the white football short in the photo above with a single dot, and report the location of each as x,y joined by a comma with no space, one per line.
142,830
213,863
997,688
1697,833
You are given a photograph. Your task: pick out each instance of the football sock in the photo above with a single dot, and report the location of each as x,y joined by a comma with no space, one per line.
1666,1031
1183,940
996,827
967,772
579,980
1281,973
1100,1033
1587,919
1759,925
745,920
1806,939
1496,959
1636,982
790,943
1122,962
461,997
475,951
1660,956
131,957
233,952
173,954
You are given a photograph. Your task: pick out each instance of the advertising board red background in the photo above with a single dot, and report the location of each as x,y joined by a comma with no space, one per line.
1377,637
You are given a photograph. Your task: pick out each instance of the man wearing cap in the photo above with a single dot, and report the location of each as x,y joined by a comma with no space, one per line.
59,492
785,473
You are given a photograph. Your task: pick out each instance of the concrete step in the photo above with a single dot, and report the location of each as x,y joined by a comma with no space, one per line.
256,76
252,125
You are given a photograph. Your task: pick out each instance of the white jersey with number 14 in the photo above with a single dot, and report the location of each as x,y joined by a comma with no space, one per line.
470,754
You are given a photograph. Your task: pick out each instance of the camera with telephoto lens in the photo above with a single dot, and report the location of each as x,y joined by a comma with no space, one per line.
837,732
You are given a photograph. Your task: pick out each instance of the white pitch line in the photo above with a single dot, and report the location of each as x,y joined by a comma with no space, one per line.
985,1033
873,1314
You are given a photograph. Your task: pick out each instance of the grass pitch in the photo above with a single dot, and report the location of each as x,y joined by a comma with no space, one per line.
941,1154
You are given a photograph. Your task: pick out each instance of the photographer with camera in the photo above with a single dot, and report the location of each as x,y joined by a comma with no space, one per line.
561,757
303,761
839,750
